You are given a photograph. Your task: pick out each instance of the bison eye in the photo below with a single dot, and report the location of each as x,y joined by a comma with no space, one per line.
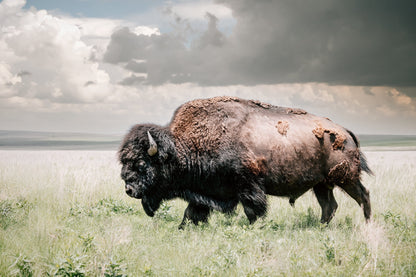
140,164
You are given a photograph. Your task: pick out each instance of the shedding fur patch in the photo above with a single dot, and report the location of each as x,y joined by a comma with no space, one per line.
261,104
282,127
339,140
295,111
319,131
257,166
336,137
339,172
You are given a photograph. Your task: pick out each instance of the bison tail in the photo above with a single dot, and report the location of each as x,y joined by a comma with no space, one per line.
363,160
364,164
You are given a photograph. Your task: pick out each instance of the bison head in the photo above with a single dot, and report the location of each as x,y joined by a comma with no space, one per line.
143,163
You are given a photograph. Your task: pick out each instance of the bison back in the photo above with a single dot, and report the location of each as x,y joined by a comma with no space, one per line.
288,149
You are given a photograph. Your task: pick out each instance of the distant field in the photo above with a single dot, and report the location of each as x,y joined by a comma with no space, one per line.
57,141
65,213
80,141
397,141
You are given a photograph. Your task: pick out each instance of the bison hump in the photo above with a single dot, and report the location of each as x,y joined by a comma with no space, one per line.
204,125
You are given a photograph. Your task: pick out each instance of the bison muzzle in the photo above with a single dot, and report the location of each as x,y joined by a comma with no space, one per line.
219,152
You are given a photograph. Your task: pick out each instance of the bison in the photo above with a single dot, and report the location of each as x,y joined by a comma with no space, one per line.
218,152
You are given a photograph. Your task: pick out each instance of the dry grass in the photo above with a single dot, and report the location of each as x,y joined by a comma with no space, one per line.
64,213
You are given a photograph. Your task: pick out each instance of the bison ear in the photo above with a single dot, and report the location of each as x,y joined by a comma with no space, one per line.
153,146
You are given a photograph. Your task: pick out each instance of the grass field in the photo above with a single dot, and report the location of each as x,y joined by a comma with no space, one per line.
65,213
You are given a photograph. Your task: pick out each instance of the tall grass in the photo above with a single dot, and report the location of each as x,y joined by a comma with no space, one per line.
65,213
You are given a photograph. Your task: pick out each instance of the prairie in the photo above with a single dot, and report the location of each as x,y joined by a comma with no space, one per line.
65,213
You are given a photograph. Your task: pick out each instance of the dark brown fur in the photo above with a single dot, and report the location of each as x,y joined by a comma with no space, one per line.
219,152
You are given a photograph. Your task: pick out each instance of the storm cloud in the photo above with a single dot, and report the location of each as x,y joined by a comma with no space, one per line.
368,43
353,61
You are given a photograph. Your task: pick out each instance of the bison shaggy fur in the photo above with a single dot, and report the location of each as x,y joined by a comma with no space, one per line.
218,152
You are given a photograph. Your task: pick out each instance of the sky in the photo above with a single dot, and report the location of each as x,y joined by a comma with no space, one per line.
101,66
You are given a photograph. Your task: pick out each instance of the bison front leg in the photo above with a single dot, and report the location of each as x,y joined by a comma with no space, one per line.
195,213
254,202
151,204
326,200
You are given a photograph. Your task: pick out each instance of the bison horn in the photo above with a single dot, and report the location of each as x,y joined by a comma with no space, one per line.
153,146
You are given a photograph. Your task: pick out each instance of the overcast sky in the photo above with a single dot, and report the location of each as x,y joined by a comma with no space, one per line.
100,66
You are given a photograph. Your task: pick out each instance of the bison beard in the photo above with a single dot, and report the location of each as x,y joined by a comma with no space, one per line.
219,152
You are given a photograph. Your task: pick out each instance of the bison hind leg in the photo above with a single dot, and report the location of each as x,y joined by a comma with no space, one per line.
360,194
326,200
196,214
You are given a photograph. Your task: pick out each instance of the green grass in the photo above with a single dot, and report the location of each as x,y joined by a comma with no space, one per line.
65,213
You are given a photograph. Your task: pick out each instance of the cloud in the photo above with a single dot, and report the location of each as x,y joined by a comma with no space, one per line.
400,98
59,73
44,57
351,43
52,62
133,80
197,10
167,57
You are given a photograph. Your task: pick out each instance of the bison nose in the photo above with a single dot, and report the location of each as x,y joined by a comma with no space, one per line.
129,190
